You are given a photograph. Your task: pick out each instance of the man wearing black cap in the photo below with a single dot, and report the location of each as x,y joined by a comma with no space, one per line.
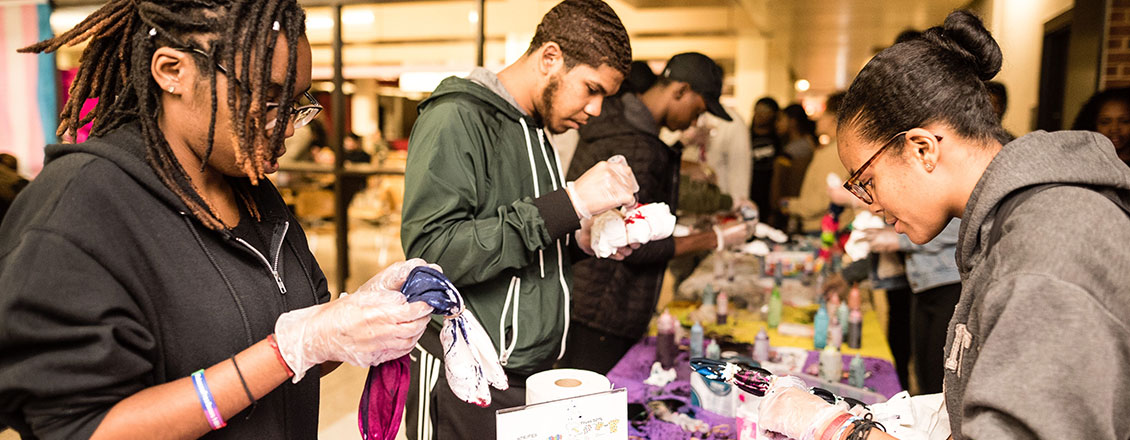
613,301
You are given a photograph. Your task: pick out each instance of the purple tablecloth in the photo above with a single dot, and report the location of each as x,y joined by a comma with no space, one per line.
635,367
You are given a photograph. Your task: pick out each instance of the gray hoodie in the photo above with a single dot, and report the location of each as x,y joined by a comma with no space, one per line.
1039,344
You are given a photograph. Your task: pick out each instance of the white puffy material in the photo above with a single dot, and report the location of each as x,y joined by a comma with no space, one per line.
615,229
471,365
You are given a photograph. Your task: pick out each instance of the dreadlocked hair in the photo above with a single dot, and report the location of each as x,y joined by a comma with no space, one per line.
589,32
239,35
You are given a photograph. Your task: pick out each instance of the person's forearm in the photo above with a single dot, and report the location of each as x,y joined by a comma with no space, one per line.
328,367
697,242
172,410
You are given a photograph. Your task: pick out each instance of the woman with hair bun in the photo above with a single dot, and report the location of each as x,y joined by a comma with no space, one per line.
1039,345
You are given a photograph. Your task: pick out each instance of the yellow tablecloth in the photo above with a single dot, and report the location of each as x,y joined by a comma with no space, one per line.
743,326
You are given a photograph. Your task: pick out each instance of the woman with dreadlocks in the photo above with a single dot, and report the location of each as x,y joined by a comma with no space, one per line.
152,281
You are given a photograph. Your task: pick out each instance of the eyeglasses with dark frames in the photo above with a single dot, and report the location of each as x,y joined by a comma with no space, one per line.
302,112
859,188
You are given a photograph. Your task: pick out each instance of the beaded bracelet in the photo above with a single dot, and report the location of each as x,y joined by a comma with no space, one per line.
211,412
278,353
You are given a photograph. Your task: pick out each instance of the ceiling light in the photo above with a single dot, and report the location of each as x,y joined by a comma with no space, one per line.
802,85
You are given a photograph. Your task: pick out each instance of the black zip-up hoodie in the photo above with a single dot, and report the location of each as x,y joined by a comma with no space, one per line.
109,286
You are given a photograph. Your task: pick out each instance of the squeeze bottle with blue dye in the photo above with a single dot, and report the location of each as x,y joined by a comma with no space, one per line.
820,328
696,340
774,317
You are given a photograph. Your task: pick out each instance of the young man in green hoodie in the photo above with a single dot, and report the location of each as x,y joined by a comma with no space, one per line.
486,199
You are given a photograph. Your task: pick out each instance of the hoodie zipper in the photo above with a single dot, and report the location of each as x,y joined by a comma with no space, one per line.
278,251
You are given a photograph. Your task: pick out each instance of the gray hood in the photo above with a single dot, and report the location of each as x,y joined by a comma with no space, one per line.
1070,157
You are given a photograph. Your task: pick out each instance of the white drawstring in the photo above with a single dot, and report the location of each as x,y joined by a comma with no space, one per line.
560,267
513,292
537,188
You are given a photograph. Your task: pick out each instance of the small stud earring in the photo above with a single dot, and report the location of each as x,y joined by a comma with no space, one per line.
929,167
172,89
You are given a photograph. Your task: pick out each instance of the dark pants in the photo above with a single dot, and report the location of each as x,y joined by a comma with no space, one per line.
931,311
433,412
594,350
898,332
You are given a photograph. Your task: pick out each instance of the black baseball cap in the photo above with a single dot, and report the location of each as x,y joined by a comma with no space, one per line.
704,76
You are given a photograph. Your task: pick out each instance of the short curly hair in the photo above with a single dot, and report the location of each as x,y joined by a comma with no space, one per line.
588,31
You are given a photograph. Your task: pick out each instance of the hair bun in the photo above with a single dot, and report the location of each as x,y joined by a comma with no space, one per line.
970,40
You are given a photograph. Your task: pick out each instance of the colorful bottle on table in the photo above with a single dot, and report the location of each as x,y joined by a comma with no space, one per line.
774,317
855,329
708,295
761,346
820,328
835,333
665,348
831,364
723,307
713,351
857,373
842,313
696,340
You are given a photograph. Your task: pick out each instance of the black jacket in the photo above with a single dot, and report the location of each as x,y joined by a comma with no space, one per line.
108,287
612,296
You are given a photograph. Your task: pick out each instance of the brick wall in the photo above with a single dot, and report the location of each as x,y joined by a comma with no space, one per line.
1116,70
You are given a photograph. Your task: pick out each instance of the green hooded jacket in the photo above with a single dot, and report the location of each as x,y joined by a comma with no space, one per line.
484,198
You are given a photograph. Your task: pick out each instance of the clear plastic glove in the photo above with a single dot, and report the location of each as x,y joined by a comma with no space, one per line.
607,185
789,409
584,241
882,240
371,326
737,233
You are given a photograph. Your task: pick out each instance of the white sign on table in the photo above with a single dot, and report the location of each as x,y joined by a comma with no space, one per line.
599,416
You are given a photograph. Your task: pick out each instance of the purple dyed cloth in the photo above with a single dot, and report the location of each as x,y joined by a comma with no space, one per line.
635,367
382,401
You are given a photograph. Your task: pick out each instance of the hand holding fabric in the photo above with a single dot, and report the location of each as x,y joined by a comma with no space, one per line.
736,233
607,185
371,326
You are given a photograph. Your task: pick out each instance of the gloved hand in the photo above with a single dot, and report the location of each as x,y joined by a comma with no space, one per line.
882,240
607,185
735,233
789,409
584,240
371,326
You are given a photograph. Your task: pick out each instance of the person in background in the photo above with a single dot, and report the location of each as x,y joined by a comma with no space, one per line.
613,301
813,201
11,182
154,282
1108,112
486,198
765,145
1037,347
728,153
354,152
798,135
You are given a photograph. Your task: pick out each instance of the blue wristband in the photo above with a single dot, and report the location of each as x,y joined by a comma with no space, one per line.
211,412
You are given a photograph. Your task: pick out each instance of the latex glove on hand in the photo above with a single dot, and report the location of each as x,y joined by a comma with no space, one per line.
882,240
371,326
735,233
585,241
790,410
607,185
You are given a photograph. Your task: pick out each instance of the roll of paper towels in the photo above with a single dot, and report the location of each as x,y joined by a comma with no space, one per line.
564,383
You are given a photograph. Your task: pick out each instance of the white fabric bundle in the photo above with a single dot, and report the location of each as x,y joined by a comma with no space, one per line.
615,229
